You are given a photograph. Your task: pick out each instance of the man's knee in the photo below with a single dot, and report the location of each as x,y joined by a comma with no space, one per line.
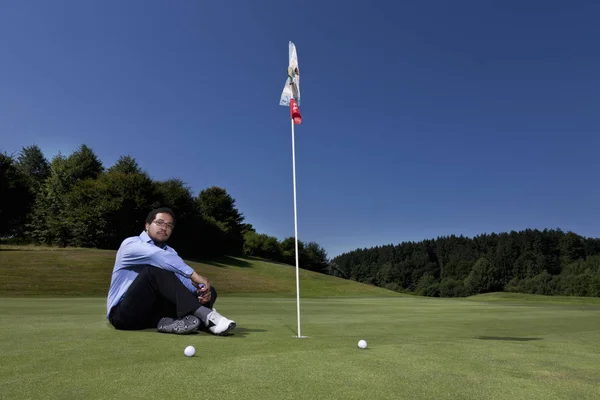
213,296
121,322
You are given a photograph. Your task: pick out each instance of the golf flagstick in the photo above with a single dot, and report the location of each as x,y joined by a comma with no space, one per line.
291,97
296,229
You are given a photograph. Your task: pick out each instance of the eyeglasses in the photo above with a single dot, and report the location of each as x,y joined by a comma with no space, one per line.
161,223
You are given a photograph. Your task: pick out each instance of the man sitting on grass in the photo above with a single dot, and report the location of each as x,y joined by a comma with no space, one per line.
152,287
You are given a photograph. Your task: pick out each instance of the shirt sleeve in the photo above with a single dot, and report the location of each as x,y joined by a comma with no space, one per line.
141,253
185,280
188,283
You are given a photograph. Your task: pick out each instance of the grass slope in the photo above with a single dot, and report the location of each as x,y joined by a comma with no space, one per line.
43,271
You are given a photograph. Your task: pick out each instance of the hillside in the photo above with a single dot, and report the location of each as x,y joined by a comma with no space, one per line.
44,271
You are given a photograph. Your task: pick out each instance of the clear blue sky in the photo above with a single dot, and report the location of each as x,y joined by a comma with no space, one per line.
419,120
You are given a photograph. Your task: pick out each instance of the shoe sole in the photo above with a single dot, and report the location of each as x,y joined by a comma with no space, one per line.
226,331
182,332
187,329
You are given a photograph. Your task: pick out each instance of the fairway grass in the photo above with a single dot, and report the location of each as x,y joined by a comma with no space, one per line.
418,348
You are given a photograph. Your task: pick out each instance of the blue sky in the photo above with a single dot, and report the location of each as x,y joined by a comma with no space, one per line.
420,119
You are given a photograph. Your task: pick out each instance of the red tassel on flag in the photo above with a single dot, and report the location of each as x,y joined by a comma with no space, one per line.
295,112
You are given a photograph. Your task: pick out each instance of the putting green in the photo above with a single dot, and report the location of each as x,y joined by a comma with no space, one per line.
418,348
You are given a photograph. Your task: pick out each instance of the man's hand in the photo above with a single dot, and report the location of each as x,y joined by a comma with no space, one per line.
203,286
204,296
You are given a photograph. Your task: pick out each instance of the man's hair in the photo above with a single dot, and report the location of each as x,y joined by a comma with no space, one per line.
152,214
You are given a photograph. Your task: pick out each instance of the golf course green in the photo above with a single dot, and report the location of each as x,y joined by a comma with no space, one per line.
56,343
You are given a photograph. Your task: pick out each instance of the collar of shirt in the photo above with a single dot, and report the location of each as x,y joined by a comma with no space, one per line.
146,238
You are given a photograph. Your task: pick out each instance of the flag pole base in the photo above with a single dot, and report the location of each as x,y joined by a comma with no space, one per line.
300,337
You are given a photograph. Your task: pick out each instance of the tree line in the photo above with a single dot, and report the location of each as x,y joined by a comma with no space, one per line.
75,201
548,262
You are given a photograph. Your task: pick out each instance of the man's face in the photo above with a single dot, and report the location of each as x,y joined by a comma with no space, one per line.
158,233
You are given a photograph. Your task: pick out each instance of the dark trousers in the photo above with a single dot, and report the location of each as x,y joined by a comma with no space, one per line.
154,294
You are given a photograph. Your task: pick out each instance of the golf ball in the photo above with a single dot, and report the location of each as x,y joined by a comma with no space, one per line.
362,344
189,351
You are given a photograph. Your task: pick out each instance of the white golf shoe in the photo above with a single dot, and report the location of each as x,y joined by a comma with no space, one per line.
218,324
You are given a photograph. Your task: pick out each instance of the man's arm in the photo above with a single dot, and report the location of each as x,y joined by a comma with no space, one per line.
138,252
187,282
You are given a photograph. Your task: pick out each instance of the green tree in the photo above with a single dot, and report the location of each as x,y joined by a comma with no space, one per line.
288,251
527,264
81,164
218,208
34,165
50,221
106,210
190,228
16,197
451,288
174,193
422,286
126,165
483,277
45,227
261,245
316,257
571,248
215,202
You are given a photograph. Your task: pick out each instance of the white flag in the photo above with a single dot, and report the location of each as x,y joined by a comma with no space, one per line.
292,84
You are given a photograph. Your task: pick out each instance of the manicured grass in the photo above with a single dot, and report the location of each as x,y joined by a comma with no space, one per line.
535,298
56,343
419,348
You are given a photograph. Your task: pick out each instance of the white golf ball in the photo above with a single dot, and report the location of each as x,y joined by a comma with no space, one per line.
362,344
189,351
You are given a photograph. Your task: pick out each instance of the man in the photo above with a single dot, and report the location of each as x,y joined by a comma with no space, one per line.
152,287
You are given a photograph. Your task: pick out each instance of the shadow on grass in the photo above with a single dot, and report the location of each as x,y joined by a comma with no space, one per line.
243,332
239,332
47,249
221,262
508,338
23,249
225,261
228,261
